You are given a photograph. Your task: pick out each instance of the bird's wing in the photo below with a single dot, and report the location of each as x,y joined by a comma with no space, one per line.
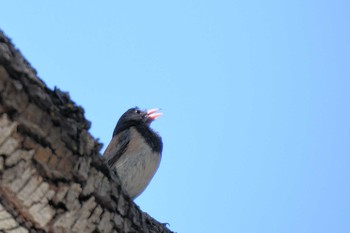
116,148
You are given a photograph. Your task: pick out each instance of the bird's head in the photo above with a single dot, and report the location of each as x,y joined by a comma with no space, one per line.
135,116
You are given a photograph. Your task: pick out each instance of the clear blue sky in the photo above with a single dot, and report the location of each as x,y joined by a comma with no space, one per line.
255,95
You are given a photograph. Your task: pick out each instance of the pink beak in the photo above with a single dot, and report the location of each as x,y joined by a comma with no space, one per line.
152,114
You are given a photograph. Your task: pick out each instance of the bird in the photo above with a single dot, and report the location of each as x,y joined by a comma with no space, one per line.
135,150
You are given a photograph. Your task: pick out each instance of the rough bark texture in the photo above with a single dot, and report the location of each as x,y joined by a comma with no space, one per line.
51,176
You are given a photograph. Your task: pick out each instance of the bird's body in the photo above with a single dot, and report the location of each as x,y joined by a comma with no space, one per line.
135,150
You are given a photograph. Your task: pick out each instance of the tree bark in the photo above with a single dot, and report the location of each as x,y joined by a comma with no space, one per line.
51,176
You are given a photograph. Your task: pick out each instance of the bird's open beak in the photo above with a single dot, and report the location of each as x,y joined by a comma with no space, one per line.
152,114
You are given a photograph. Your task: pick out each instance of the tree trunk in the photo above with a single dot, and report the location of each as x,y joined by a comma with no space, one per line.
51,176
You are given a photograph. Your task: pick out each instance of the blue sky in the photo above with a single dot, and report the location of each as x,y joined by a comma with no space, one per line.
255,95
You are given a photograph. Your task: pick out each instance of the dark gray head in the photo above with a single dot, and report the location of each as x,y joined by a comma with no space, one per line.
141,120
136,117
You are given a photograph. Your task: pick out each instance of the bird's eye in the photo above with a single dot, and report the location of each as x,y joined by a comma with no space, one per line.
138,111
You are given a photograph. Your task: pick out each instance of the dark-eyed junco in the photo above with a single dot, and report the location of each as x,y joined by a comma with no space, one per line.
135,150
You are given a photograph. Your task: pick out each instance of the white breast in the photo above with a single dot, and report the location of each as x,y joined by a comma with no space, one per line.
137,165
